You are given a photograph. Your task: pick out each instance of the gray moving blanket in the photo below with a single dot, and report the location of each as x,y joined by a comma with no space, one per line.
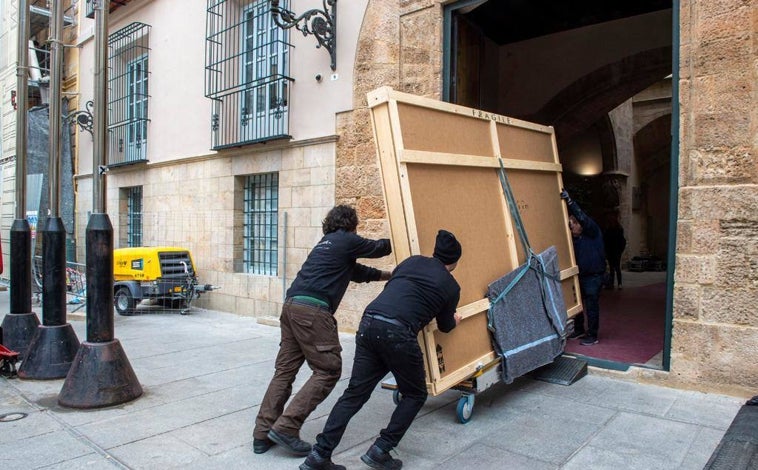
527,315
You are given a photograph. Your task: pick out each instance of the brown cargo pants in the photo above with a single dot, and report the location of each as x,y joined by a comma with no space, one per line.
309,334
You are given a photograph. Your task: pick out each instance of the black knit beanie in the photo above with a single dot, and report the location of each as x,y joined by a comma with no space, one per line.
447,249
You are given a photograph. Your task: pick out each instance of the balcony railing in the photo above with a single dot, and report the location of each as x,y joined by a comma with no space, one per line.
257,112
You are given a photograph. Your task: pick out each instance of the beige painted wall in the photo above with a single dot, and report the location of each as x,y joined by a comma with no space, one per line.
180,116
189,191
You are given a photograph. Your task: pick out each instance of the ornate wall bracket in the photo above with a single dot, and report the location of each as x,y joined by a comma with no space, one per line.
82,117
320,23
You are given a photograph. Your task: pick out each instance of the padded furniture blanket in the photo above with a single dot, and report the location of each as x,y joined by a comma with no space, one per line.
527,315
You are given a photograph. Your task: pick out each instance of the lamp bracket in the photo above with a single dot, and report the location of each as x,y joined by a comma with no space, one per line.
320,23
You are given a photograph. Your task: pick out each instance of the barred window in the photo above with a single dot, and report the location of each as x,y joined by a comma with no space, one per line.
247,63
134,216
261,227
128,94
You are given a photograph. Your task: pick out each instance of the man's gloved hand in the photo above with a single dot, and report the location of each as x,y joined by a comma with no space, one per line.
565,196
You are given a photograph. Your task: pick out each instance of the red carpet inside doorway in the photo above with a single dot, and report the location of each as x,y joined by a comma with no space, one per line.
631,325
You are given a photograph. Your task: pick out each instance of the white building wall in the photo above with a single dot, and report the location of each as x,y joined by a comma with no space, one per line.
190,192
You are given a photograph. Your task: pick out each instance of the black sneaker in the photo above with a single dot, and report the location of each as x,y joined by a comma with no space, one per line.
314,461
377,458
576,334
262,445
293,444
588,341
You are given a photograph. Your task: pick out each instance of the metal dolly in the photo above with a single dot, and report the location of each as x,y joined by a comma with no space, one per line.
484,378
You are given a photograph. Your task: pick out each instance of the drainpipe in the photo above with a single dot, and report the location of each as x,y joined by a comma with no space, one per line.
284,258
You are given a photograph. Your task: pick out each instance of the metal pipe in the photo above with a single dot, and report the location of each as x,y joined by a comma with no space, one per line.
99,234
22,92
56,72
101,108
45,12
284,257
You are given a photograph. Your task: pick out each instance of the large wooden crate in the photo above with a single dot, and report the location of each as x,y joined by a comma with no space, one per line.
440,167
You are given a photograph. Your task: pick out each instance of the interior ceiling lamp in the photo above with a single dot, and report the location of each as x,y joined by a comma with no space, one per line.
320,23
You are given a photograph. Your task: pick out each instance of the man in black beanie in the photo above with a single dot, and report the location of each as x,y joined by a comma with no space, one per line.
421,289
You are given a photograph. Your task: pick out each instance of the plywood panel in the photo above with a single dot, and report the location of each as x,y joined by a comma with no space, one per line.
434,130
440,165
458,199
543,217
525,144
468,341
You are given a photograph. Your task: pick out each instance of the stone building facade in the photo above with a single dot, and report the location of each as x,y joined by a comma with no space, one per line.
192,194
714,336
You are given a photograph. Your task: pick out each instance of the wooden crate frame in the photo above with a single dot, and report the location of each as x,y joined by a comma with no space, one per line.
440,168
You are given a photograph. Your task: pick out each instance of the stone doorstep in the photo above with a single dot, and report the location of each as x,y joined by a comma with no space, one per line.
268,321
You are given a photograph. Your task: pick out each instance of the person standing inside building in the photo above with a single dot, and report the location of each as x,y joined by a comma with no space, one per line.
420,289
309,329
590,258
615,242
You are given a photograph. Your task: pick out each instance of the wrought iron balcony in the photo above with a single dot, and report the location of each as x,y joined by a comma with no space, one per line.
256,112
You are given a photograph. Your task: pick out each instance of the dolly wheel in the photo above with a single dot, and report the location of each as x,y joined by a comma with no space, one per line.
124,302
465,408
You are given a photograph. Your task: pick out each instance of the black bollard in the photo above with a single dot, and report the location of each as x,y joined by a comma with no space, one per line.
21,323
54,345
101,374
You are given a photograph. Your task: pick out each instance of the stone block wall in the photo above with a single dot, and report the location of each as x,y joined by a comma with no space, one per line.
400,45
715,324
196,203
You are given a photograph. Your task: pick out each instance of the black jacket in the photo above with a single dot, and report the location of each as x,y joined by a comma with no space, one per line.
588,247
331,266
419,290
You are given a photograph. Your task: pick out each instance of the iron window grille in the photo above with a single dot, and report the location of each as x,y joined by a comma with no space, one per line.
128,94
261,227
246,73
134,216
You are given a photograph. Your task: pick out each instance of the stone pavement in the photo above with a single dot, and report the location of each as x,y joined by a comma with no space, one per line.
204,376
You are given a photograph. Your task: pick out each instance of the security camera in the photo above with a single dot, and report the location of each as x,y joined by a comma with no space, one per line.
318,77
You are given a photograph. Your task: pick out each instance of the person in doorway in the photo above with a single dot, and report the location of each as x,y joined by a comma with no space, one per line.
420,289
615,242
590,258
309,329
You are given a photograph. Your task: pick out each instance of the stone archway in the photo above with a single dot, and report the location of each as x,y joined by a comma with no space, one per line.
593,96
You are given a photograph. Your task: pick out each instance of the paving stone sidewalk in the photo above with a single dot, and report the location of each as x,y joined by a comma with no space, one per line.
204,376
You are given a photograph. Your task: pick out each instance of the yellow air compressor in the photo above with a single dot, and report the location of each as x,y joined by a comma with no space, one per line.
164,274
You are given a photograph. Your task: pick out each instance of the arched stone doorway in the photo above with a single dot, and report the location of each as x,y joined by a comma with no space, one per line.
600,74
581,70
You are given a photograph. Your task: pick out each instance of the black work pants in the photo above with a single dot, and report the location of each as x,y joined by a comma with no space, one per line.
614,263
381,347
590,285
